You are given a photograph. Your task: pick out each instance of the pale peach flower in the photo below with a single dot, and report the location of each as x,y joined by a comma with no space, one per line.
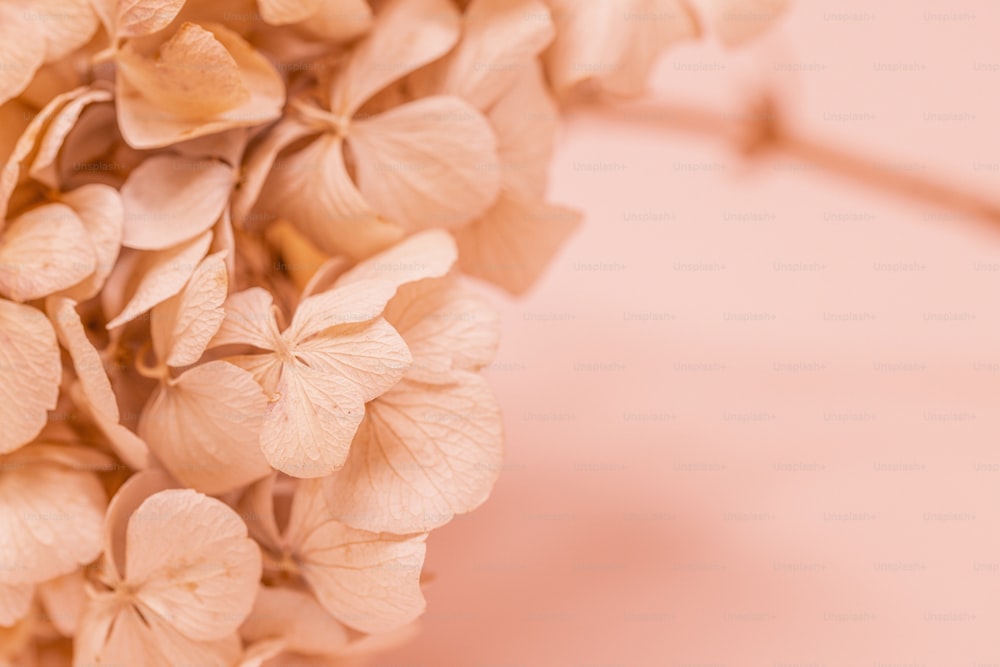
179,575
367,581
420,164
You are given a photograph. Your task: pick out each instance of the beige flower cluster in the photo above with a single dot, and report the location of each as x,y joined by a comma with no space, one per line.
240,358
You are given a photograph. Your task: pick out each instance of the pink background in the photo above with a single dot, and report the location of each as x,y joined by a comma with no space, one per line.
796,462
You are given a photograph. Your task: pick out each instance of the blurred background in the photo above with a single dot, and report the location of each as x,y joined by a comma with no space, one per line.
751,410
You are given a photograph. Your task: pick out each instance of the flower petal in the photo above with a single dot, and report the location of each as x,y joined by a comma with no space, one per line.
51,519
126,500
407,34
15,601
182,326
192,563
613,43
68,25
249,320
429,254
144,17
422,164
144,123
43,251
259,161
22,50
423,454
86,359
339,20
357,302
501,39
193,77
43,165
312,189
64,599
367,581
281,12
525,121
161,275
205,427
372,357
297,618
513,244
32,370
127,445
111,634
170,199
446,326
311,421
100,210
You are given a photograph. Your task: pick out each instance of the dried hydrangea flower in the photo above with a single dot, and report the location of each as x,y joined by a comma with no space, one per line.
369,153
367,581
179,576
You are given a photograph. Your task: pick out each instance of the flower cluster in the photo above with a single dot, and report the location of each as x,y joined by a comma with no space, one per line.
240,350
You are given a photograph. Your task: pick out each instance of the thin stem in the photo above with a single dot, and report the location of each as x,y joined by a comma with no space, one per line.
759,131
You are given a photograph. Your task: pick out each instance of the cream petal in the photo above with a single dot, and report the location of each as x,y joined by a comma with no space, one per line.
122,637
613,43
427,163
135,18
170,199
407,34
160,275
51,519
182,326
281,12
446,326
296,618
127,445
257,507
100,210
87,361
429,254
423,454
32,369
525,120
310,421
43,251
126,500
513,244
312,189
192,563
357,302
43,165
67,25
368,581
249,320
205,427
338,20
144,124
500,41
259,161
64,599
22,50
371,357
192,77
15,602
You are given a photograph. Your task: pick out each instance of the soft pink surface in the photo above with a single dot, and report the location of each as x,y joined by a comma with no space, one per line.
747,481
